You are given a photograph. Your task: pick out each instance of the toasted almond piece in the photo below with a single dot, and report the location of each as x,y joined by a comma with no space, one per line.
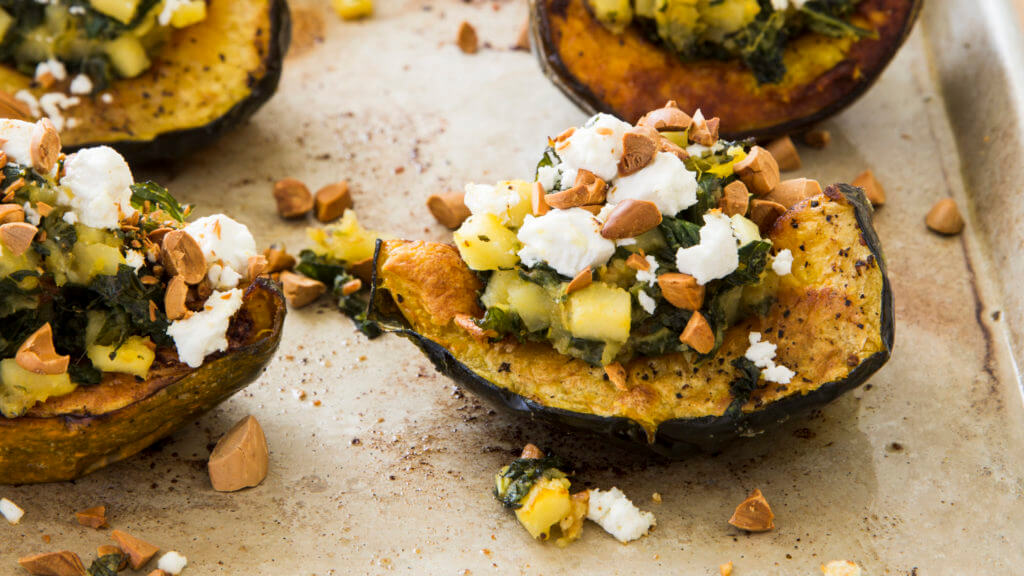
538,205
255,266
531,452
616,375
95,517
666,145
17,236
631,218
301,290
63,563
293,198
331,201
139,551
764,213
523,38
465,321
3,159
182,255
351,287
725,569
108,549
668,118
638,262
698,334
158,572
241,458
466,38
362,269
753,514
448,209
785,153
594,209
12,189
705,133
735,199
639,145
11,107
44,209
37,354
681,290
818,138
157,236
278,260
175,298
11,213
944,218
587,190
582,280
789,193
873,191
758,171
45,147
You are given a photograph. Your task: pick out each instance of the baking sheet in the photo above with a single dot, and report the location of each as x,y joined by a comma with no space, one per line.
380,465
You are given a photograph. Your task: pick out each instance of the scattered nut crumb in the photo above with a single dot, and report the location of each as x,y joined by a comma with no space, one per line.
139,551
945,218
293,198
241,458
656,497
467,39
818,138
753,514
873,191
725,569
95,517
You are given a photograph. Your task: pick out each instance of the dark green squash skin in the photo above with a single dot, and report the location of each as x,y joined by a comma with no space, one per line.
172,145
679,437
66,447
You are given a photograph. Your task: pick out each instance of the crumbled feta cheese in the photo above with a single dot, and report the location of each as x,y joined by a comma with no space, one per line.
32,216
107,98
841,568
646,302
172,563
648,275
568,240
224,241
11,511
54,104
30,100
546,176
596,146
77,10
665,181
135,259
497,200
762,354
626,242
52,67
70,217
744,229
98,187
223,278
618,516
783,262
205,332
17,140
716,256
81,85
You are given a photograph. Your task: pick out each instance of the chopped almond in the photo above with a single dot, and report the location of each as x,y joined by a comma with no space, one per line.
588,190
11,107
873,191
293,198
465,321
182,255
764,213
175,299
139,551
17,236
639,145
538,205
531,452
241,458
735,199
631,218
705,133
12,189
277,260
753,514
638,262
449,209
594,209
523,38
698,334
351,287
944,218
668,118
45,147
44,209
255,266
725,569
785,153
64,563
789,193
331,201
616,375
758,171
301,290
681,290
582,280
11,213
37,354
666,145
467,39
362,269
817,138
95,517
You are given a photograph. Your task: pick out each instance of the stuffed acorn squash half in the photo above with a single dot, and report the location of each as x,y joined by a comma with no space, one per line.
121,321
665,288
153,78
766,67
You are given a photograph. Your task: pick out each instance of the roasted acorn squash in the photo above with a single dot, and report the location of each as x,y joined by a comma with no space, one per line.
627,74
205,80
832,320
70,436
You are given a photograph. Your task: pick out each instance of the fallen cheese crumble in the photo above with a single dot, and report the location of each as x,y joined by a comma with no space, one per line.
783,263
841,568
614,512
172,563
762,354
11,511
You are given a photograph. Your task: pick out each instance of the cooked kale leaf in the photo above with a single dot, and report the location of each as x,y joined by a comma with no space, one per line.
157,195
753,259
515,480
743,385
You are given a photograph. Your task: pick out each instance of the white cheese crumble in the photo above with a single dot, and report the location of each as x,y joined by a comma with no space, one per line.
205,332
54,104
135,259
841,568
596,146
172,563
106,98
618,516
11,511
81,85
497,200
665,181
17,140
225,242
70,217
716,255
646,302
546,176
29,100
223,278
783,263
762,354
54,67
568,240
32,216
648,275
98,187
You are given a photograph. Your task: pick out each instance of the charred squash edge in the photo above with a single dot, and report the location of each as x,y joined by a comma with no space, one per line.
69,446
681,436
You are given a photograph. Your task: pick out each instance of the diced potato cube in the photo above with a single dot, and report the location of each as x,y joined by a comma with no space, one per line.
345,240
134,356
600,312
744,229
127,55
517,213
532,303
91,260
188,14
485,244
545,506
353,9
21,389
121,10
